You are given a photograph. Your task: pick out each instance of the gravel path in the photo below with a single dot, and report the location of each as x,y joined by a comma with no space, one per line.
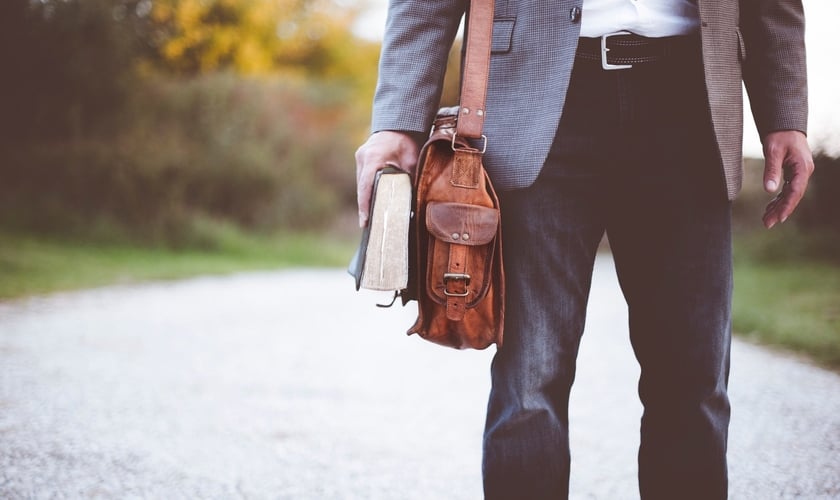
290,385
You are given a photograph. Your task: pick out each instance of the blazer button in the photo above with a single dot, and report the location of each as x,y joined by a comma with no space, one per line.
574,14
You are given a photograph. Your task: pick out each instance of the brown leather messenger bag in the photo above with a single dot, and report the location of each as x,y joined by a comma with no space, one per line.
456,273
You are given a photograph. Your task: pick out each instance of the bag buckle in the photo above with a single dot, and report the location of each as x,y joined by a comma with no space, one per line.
458,277
483,147
604,49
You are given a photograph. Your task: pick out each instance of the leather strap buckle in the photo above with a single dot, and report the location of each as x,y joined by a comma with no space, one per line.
604,49
455,146
459,277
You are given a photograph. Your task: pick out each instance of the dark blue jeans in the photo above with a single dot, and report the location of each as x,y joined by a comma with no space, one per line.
634,156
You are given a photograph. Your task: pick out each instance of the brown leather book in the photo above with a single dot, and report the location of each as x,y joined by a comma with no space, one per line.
381,261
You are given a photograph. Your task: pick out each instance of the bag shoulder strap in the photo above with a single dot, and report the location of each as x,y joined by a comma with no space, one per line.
476,69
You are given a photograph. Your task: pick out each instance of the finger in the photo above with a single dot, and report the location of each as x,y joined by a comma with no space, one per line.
367,165
364,186
772,211
408,160
783,205
363,193
795,190
772,168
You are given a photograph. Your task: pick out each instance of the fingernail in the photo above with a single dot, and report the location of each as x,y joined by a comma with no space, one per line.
771,185
362,220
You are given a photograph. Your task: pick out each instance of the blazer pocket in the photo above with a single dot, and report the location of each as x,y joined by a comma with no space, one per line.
742,47
502,35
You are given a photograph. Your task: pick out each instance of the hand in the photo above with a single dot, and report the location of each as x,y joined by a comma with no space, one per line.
382,149
788,151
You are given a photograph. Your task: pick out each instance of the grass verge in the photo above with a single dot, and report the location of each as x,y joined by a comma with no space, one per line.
41,264
795,306
782,304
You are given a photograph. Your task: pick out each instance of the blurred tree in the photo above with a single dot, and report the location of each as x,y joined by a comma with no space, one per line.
197,36
65,64
299,40
152,112
821,206
68,64
308,37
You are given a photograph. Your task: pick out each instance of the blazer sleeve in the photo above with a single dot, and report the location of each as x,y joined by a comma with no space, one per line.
418,37
774,63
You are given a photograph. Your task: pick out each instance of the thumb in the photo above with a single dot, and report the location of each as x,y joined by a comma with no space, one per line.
773,159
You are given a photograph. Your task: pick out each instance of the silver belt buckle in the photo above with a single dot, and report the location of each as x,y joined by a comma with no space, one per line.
605,49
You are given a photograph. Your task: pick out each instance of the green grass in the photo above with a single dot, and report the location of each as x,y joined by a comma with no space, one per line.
32,264
795,306
780,303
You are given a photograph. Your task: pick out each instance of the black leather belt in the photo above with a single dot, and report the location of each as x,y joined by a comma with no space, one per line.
623,50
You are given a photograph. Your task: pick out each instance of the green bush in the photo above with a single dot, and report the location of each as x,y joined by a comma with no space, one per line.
66,66
821,209
263,154
94,142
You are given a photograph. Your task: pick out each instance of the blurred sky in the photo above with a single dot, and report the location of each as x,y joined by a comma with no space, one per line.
821,16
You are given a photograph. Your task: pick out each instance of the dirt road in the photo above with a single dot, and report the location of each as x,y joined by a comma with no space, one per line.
290,385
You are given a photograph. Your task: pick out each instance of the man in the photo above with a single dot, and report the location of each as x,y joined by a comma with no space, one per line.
624,117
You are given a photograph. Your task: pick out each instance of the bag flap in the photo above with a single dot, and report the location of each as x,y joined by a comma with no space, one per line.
461,223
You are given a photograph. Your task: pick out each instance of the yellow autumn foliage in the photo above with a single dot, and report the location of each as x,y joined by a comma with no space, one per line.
254,37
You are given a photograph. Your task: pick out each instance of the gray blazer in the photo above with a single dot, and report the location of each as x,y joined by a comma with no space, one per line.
534,42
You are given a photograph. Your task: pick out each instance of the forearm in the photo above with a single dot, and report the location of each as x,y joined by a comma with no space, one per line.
775,70
418,37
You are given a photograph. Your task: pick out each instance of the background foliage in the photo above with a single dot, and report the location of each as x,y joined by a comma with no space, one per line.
158,120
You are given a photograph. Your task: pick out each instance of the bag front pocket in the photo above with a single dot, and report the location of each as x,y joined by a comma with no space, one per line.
461,246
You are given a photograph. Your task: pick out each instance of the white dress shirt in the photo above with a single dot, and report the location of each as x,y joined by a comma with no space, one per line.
651,18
